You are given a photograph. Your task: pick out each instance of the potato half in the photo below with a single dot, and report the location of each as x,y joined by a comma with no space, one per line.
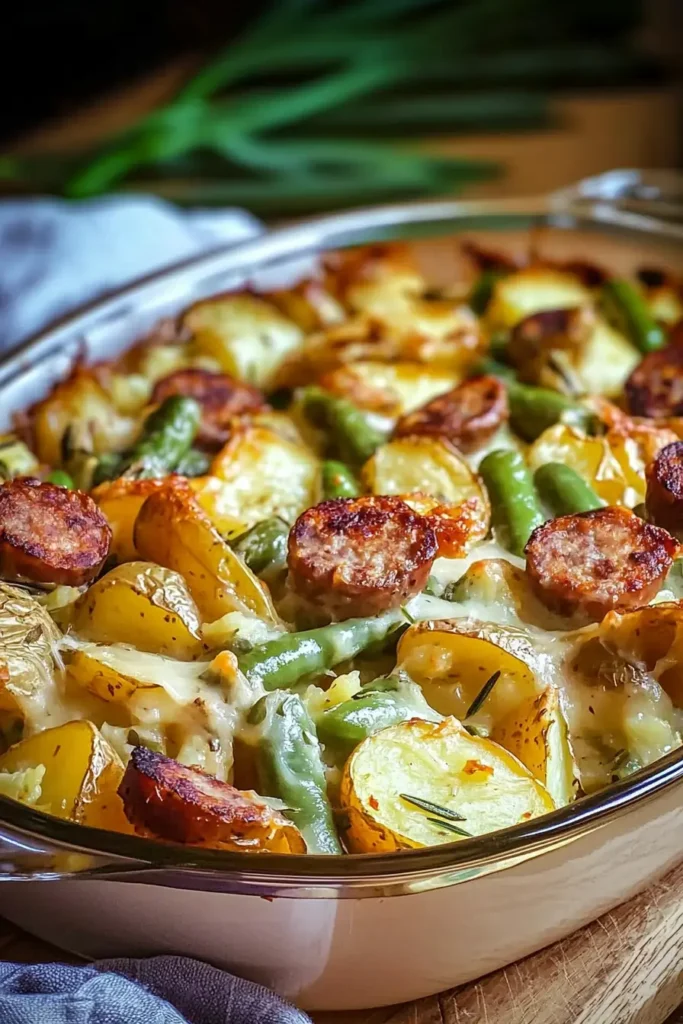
248,336
452,660
258,474
173,530
531,290
120,501
142,604
536,733
82,774
444,764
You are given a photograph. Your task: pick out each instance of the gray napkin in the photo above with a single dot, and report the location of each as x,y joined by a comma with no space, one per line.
56,255
158,990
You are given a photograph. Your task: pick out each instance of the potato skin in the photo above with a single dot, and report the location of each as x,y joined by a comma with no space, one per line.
467,416
220,396
167,800
594,562
655,387
360,556
50,534
664,495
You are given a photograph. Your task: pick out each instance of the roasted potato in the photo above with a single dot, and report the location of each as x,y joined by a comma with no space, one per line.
452,660
173,530
258,474
430,475
82,774
166,800
248,336
142,604
30,658
532,290
591,457
391,389
478,780
120,501
81,404
536,733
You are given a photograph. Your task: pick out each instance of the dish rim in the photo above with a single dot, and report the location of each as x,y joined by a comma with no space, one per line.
128,855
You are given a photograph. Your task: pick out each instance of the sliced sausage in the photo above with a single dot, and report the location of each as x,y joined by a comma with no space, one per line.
220,396
664,495
655,387
467,416
166,800
359,556
593,562
50,534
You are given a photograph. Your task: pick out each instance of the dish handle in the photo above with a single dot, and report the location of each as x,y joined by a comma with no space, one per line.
26,856
645,200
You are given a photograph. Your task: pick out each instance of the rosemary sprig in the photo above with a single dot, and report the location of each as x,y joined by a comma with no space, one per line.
432,808
483,695
448,827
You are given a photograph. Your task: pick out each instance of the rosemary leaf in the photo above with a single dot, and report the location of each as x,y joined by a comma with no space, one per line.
483,694
448,827
432,808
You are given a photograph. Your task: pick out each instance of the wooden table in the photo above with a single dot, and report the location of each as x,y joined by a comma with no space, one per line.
625,968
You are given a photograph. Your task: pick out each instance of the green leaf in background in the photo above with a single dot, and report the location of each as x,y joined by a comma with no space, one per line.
322,104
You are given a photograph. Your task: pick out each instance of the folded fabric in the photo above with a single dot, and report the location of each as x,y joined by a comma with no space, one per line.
56,255
157,990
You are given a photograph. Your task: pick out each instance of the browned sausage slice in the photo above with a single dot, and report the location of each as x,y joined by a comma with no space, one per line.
50,534
664,495
597,561
220,396
655,387
467,416
359,556
166,800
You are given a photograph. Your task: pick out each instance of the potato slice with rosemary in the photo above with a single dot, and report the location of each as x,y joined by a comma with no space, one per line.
479,785
453,660
536,733
142,604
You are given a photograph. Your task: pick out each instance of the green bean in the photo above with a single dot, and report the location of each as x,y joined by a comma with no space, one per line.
564,491
282,662
481,293
513,498
290,767
355,436
533,410
195,462
493,368
264,547
61,479
343,727
626,307
166,437
339,481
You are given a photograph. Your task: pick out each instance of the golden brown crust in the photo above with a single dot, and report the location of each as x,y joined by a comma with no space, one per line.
594,562
360,556
346,382
655,387
221,397
467,416
167,800
664,494
50,534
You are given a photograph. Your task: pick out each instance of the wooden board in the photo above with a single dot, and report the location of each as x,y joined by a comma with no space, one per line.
625,968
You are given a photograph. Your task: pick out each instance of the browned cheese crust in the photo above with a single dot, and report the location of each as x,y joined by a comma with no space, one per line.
664,495
360,556
166,800
50,534
591,563
220,396
467,416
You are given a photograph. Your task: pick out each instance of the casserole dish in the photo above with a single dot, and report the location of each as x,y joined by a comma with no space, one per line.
399,927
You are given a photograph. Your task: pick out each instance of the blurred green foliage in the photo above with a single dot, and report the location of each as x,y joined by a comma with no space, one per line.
319,104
